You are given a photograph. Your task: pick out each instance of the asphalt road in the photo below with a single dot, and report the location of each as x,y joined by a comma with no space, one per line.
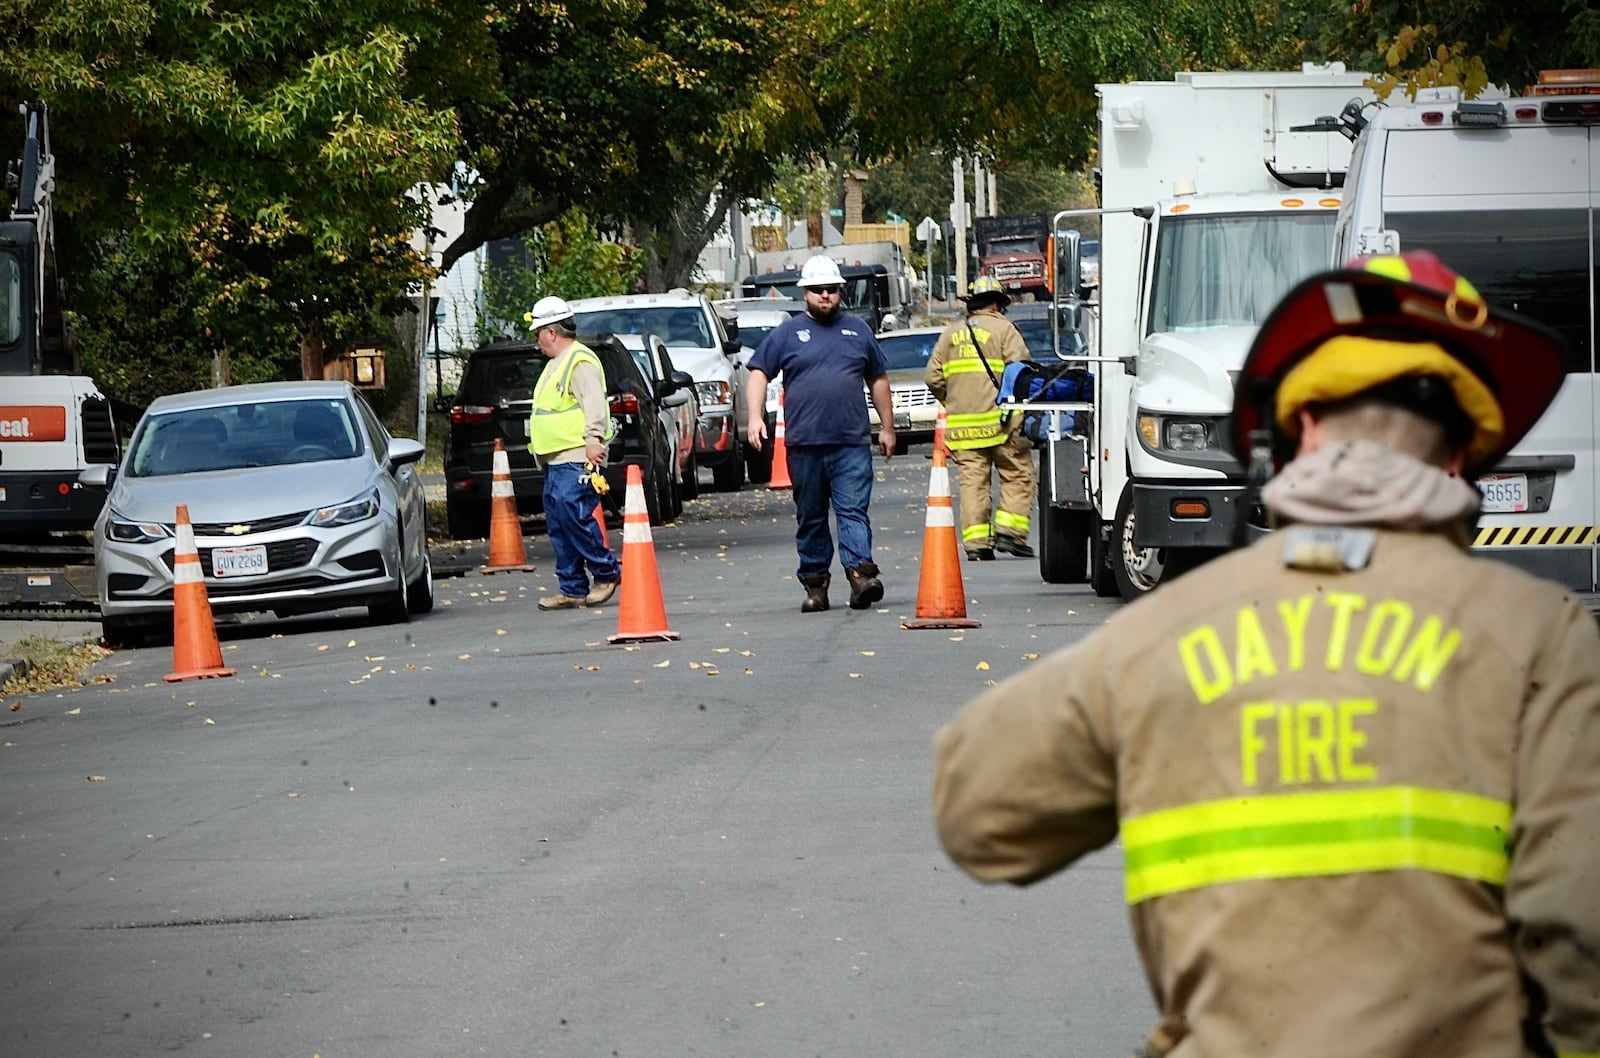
491,832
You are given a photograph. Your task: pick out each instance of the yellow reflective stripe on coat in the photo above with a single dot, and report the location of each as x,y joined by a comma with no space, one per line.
979,429
966,363
1328,832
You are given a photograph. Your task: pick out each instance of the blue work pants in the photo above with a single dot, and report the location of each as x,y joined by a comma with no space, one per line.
839,476
569,502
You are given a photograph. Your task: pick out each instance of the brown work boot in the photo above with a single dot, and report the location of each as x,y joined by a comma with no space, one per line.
601,593
865,587
560,602
816,593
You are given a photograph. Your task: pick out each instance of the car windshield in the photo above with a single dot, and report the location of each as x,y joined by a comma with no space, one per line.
905,352
753,335
681,328
1036,336
258,434
498,379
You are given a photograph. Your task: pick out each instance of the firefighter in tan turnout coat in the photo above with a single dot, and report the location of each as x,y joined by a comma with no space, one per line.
964,372
1355,770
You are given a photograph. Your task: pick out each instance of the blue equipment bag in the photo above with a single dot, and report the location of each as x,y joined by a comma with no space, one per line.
1026,382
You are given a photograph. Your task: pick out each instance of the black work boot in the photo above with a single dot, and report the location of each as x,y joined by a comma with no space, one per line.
1011,545
865,587
816,593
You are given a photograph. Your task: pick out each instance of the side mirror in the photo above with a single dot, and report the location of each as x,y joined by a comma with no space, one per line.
1069,317
403,450
98,476
732,348
1067,262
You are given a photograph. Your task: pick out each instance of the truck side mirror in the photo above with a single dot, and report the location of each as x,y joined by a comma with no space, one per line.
1066,263
1069,317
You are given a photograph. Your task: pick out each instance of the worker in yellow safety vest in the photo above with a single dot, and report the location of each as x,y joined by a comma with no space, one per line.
964,374
568,431
1355,770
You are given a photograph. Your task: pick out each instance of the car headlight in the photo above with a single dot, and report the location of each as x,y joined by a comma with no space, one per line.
1177,435
359,509
712,392
127,531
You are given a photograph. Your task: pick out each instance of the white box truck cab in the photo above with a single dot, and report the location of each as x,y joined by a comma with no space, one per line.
1507,193
1218,193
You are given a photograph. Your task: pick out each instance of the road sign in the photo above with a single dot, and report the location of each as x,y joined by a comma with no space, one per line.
929,229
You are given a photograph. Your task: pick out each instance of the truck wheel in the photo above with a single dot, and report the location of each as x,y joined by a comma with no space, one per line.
728,475
1102,578
1063,534
1139,569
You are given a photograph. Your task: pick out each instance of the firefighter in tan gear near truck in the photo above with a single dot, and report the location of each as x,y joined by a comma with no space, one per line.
964,373
1354,769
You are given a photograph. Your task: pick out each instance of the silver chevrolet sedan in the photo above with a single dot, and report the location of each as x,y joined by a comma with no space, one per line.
299,499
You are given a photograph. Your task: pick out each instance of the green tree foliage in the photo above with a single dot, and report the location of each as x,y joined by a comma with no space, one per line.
1424,42
251,159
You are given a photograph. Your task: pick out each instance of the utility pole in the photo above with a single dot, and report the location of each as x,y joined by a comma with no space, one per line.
958,221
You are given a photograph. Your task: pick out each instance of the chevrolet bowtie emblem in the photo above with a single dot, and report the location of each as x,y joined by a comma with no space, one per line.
237,530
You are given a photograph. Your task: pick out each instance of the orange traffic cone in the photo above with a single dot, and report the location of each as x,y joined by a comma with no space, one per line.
780,454
642,614
600,520
938,433
196,654
941,597
505,529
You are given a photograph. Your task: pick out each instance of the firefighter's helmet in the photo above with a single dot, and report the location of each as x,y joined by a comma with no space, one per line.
1408,324
986,289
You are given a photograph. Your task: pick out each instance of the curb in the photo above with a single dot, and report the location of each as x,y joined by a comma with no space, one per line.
11,668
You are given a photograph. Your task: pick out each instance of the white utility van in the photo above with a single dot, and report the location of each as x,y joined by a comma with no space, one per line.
1507,193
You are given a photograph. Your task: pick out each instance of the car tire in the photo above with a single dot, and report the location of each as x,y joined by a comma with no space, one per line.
666,490
689,488
119,632
466,521
395,608
758,465
420,595
728,475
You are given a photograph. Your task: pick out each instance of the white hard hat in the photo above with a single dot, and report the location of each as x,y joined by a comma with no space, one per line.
547,311
820,271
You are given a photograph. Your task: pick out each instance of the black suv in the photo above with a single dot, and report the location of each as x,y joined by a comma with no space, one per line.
494,401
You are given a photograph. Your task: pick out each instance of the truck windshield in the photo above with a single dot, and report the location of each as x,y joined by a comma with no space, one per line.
854,297
1229,270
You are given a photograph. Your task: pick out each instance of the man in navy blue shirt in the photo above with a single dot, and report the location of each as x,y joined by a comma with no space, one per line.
824,357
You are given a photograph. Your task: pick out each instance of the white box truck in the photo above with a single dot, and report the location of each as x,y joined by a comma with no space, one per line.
1218,192
1507,193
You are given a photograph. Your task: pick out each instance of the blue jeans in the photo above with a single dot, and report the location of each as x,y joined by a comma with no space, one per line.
840,476
569,502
